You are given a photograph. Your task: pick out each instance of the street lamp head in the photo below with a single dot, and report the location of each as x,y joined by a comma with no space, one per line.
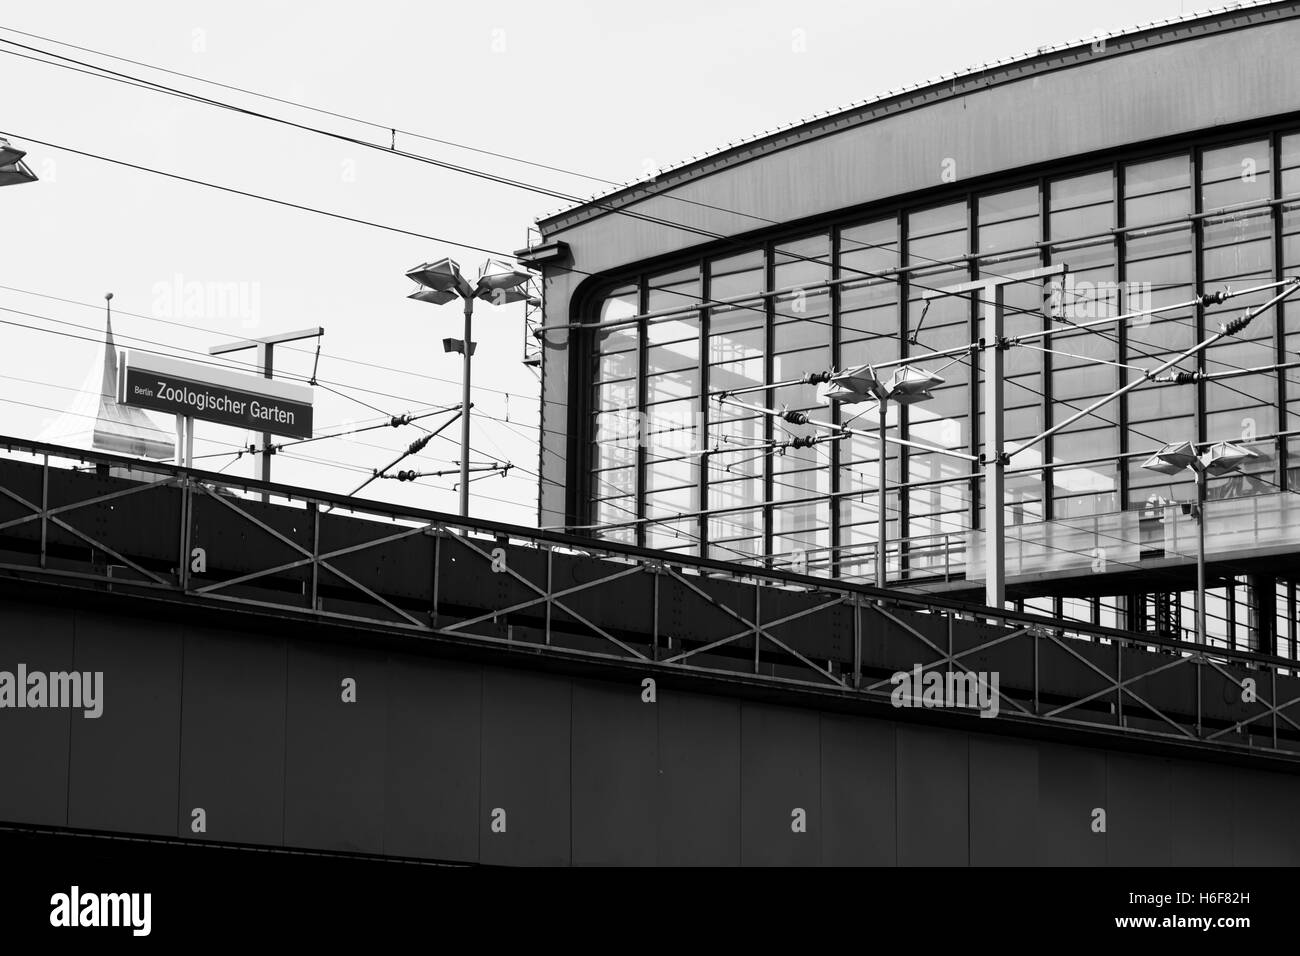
12,168
1222,458
857,385
10,154
432,296
1225,457
912,385
444,275
502,296
1173,458
501,284
908,386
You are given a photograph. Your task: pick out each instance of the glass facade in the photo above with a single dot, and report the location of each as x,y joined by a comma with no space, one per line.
672,467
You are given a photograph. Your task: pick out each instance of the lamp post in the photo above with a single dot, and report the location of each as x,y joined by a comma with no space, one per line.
13,170
441,282
907,386
1222,458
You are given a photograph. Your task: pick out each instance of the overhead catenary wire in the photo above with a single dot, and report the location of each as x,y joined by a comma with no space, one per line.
1021,385
201,358
348,360
104,73
169,349
818,499
501,468
696,300
1229,328
236,450
156,87
148,84
391,420
324,112
394,421
242,449
1165,308
414,448
161,88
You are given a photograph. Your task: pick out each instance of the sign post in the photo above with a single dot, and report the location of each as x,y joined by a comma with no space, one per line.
266,359
191,391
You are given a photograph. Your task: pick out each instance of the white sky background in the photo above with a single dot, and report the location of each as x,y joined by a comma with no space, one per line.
607,89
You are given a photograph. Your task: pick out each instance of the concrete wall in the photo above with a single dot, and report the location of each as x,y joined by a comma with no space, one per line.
252,729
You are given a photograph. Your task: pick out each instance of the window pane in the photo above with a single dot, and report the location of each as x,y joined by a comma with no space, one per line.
1234,175
801,262
1157,191
674,290
1082,205
1008,220
736,275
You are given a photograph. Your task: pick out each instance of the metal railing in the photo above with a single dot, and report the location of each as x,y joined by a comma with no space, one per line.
134,528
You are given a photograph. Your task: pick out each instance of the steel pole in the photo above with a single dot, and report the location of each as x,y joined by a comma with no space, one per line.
1200,557
464,409
882,490
266,357
995,592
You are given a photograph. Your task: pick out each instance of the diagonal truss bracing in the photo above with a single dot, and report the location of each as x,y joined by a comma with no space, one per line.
514,588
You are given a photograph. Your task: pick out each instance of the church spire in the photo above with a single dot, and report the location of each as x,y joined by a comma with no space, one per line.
109,386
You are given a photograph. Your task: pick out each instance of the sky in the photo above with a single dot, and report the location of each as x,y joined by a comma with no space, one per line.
603,90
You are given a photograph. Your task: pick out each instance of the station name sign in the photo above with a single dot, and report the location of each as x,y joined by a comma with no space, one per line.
215,394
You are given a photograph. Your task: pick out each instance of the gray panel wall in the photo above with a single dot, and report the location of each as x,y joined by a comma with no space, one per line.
859,793
615,775
1003,801
252,729
527,721
1071,786
1139,826
124,769
431,784
334,750
1201,834
933,808
699,780
232,737
780,786
35,740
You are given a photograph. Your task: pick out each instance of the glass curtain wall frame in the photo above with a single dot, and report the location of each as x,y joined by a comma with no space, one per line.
1140,231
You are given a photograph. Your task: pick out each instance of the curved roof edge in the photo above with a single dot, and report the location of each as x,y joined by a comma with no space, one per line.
946,86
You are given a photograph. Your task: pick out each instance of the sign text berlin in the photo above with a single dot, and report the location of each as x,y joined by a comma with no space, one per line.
215,395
